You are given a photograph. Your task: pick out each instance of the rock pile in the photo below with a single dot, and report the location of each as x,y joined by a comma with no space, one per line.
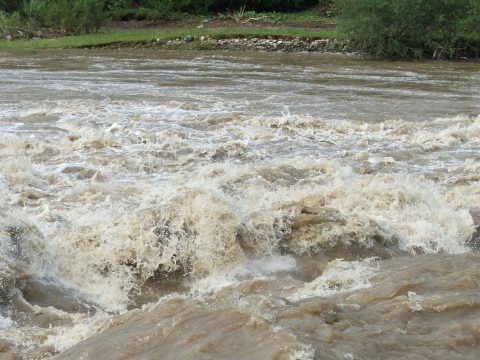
286,44
268,43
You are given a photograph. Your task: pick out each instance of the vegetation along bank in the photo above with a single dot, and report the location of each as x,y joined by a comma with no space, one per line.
381,28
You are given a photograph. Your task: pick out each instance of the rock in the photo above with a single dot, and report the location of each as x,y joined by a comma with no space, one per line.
188,38
331,46
8,37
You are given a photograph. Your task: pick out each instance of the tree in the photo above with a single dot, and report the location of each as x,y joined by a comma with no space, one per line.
411,28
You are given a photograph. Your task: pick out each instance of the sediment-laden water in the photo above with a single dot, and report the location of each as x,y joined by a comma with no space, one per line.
168,205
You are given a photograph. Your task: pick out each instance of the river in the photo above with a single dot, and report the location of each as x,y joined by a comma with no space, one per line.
224,205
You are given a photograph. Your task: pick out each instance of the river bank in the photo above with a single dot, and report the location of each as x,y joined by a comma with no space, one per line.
268,43
211,34
171,37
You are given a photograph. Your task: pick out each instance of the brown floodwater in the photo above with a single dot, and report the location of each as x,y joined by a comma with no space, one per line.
224,205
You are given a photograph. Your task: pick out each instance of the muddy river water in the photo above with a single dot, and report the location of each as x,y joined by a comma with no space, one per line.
222,205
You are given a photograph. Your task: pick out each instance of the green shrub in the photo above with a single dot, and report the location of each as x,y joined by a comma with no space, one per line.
71,16
16,24
9,24
34,9
88,15
410,28
469,27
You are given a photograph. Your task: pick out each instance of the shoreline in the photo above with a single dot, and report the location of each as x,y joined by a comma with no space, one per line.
158,36
273,40
269,43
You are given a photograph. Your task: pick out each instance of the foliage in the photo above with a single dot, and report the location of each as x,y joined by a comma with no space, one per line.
9,23
72,16
174,9
77,16
66,16
411,28
34,9
469,25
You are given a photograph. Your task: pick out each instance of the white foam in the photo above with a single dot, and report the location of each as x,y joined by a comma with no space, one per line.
5,323
64,337
249,269
414,301
339,276
115,191
307,352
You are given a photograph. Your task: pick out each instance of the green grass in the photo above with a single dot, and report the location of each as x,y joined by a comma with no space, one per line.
162,34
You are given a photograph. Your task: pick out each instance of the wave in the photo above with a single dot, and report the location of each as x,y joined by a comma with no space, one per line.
102,209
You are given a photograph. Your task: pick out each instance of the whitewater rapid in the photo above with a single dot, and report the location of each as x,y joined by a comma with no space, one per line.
180,204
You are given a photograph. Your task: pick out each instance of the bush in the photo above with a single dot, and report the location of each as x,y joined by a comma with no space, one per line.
70,16
469,32
34,9
16,24
411,28
9,24
88,15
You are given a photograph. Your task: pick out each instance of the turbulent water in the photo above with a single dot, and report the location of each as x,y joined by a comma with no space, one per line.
238,206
